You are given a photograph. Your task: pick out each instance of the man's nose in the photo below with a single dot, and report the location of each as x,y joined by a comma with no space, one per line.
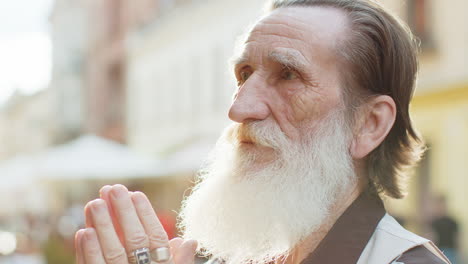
250,103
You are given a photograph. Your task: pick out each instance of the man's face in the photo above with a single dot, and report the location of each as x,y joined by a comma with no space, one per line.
288,70
253,207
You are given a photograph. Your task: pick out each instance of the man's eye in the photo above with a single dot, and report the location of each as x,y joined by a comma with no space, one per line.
289,75
244,75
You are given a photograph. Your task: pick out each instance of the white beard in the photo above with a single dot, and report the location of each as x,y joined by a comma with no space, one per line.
243,213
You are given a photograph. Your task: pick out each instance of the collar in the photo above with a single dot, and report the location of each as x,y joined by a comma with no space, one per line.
349,235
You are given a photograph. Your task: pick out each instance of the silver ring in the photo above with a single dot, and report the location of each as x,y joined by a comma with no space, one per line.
161,254
140,256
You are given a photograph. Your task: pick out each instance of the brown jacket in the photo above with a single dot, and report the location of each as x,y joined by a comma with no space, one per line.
366,234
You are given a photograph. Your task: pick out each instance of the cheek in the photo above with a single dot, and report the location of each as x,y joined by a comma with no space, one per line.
306,103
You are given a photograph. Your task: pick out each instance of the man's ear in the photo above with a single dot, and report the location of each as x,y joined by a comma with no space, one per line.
374,124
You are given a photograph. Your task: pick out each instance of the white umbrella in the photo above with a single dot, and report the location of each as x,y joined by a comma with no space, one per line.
92,157
17,172
189,158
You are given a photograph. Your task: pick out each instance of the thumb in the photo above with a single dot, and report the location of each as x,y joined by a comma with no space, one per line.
185,252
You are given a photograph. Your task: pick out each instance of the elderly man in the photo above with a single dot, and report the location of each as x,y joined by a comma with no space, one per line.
321,131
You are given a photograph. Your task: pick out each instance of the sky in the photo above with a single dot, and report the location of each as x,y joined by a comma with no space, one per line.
25,46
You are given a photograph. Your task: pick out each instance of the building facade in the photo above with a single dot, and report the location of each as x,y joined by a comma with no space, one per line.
179,85
69,27
104,92
27,124
89,63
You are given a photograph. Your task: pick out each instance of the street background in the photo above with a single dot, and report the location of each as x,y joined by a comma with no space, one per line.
96,92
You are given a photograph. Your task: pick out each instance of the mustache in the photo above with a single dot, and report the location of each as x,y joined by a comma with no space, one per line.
266,133
246,133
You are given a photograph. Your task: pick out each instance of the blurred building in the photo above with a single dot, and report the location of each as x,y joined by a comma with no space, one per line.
87,94
31,123
27,124
69,29
439,110
178,83
104,92
89,63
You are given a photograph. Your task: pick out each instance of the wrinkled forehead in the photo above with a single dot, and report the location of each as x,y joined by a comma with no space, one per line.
317,26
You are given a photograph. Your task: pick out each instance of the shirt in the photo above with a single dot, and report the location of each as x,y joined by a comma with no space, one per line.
366,234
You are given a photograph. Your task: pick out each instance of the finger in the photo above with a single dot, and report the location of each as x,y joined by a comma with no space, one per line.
174,244
88,217
156,234
112,249
186,252
78,248
134,234
104,193
91,249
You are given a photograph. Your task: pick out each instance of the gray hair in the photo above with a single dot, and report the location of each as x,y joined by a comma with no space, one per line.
380,58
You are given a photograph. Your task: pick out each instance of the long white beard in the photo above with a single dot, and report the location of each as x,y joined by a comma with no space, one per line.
243,213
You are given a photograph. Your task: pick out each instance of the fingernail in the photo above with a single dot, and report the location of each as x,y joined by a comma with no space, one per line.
104,189
119,191
193,244
89,233
138,197
98,205
79,234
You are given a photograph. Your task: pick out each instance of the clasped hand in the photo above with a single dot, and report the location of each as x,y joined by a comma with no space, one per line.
121,222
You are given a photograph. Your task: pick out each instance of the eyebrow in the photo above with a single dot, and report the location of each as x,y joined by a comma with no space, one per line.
287,57
238,60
